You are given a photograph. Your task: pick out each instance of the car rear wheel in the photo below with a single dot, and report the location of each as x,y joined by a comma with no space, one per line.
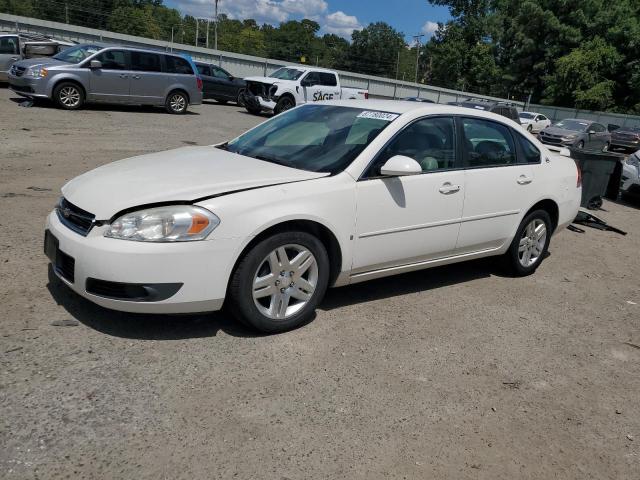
177,103
285,103
68,95
240,98
279,282
530,244
606,147
580,145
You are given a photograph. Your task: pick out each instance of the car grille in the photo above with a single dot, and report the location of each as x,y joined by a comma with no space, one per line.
548,138
17,71
78,220
259,89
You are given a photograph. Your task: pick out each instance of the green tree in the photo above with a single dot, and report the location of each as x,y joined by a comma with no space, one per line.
374,49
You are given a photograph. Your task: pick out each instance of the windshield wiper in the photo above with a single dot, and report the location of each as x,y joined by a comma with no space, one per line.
223,146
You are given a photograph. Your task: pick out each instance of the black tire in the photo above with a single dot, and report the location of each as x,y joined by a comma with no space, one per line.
241,301
606,147
529,128
68,95
177,102
239,99
512,259
284,103
580,145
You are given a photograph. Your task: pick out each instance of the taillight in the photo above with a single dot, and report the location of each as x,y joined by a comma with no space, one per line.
199,80
366,95
579,179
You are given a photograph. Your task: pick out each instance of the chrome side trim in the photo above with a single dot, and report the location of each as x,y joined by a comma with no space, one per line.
439,224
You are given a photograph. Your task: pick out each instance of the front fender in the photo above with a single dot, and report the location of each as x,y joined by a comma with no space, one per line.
71,76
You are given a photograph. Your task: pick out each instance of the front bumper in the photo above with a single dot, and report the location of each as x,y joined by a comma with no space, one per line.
254,102
558,141
28,87
626,144
200,270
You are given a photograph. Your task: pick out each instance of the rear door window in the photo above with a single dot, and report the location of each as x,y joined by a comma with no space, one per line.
204,70
530,153
487,143
145,62
9,45
328,79
598,128
178,65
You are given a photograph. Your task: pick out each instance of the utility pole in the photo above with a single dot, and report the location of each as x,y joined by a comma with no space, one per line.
398,65
172,39
207,40
215,30
66,12
197,30
417,39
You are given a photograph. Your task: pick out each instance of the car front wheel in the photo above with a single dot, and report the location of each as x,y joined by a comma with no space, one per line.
69,96
530,244
278,284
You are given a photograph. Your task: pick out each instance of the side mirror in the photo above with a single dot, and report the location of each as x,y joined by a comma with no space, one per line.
95,64
399,165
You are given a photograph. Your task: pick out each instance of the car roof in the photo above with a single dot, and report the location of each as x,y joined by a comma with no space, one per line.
306,69
578,120
401,106
104,46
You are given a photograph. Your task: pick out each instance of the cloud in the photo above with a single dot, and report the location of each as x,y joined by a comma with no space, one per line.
341,24
263,11
429,28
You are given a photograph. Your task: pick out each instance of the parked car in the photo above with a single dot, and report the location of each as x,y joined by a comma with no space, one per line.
322,195
626,138
577,133
20,46
290,86
630,184
534,122
418,99
501,108
100,73
220,85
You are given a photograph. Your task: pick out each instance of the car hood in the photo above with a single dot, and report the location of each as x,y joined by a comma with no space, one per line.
44,61
561,131
182,175
269,80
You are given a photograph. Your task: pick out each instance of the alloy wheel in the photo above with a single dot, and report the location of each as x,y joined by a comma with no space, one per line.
285,281
177,102
69,96
532,242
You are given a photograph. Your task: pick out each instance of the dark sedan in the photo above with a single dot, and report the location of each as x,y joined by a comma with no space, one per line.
626,138
220,85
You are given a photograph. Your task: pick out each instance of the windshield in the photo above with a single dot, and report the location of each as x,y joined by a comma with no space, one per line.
319,138
528,116
575,125
77,54
287,74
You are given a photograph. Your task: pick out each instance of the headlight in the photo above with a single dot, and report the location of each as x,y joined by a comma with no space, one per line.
37,72
175,223
570,137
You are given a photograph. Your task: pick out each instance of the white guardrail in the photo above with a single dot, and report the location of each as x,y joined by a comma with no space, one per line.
247,65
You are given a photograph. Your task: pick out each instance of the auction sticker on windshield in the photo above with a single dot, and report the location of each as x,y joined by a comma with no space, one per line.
389,117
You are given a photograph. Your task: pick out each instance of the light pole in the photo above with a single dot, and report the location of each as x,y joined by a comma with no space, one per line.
417,39
215,26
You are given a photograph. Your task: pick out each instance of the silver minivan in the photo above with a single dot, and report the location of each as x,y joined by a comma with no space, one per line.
110,74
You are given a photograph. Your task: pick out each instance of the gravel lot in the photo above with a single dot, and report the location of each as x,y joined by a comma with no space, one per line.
456,372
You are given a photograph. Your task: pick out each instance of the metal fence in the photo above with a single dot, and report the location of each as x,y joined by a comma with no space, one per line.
247,65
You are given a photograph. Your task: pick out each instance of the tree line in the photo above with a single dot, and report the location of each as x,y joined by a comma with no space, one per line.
572,53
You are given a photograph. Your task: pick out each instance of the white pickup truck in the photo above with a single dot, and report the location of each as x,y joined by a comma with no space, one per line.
290,86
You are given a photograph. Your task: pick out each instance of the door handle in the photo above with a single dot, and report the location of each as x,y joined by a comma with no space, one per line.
15,58
122,75
136,77
524,180
447,188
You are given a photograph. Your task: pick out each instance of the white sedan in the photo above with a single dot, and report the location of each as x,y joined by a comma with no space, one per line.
326,194
534,122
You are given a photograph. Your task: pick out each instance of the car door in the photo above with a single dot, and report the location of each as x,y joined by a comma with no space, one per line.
110,83
224,82
208,84
148,82
542,122
315,90
498,187
601,136
410,219
9,51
